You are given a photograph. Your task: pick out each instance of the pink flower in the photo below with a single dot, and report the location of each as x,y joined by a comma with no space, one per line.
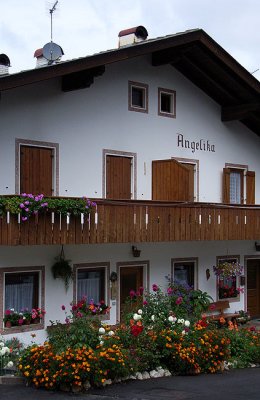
141,289
20,321
63,307
132,293
179,300
145,303
155,287
170,291
7,312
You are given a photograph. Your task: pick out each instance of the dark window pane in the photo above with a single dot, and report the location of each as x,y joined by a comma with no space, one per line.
137,97
184,274
166,103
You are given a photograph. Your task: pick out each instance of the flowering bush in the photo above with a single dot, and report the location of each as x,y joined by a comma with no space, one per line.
22,318
9,353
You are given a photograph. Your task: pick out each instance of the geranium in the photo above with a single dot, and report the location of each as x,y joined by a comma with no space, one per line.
83,308
136,330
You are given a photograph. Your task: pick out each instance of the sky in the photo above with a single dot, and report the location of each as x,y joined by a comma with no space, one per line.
85,27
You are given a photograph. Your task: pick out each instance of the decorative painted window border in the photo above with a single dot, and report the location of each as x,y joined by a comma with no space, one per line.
188,260
106,266
146,277
24,328
226,258
36,143
107,152
171,93
197,170
145,89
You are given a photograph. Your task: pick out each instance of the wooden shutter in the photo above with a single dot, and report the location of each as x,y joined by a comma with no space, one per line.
250,187
226,185
118,177
170,181
36,170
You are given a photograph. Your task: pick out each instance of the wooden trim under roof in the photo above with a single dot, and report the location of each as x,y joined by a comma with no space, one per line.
194,53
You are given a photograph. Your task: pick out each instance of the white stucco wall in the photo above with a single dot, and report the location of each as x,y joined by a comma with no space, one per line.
159,257
85,122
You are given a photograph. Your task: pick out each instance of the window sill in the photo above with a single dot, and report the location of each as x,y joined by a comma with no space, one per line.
21,329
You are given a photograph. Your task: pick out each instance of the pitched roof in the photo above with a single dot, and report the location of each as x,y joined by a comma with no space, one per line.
194,53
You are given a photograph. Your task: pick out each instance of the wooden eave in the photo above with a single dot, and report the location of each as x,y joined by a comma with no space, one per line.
194,53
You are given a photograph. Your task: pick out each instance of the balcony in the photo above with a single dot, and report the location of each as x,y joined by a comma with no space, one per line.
115,221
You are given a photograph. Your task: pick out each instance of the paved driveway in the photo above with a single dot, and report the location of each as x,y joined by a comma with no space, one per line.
231,385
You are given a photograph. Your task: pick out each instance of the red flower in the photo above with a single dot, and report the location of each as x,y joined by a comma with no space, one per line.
155,287
179,300
136,330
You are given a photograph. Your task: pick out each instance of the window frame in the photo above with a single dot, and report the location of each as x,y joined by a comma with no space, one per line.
145,88
41,297
188,260
172,94
92,267
231,258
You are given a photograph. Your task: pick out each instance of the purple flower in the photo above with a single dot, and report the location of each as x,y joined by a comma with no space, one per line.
155,287
22,205
26,202
24,218
27,209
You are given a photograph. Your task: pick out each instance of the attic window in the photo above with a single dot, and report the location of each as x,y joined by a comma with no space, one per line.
137,97
167,102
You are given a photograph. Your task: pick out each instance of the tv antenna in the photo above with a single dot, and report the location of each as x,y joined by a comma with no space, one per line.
52,51
51,12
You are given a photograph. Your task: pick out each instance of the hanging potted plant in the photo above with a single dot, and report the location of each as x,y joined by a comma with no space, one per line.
62,269
228,269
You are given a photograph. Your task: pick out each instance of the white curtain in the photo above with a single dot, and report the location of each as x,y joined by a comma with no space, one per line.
235,187
19,296
90,288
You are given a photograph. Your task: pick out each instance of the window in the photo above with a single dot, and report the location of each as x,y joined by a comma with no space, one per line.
167,103
21,291
184,272
91,282
22,288
238,184
227,286
137,97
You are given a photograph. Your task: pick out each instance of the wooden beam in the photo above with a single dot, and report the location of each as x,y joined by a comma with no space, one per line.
81,79
238,112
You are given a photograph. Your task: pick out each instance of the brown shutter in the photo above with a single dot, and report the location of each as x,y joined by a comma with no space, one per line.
226,185
170,181
118,177
36,170
250,187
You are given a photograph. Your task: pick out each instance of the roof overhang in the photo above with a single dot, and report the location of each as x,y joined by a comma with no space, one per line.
194,53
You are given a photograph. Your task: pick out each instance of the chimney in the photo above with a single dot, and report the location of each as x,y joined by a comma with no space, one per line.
42,61
4,64
132,36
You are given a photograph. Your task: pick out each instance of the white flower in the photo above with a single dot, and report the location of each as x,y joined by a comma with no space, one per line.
183,332
152,317
140,312
174,319
101,331
101,343
10,364
170,318
2,344
180,321
136,317
111,333
187,323
2,351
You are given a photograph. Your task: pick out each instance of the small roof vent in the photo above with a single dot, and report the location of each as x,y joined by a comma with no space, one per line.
132,35
4,64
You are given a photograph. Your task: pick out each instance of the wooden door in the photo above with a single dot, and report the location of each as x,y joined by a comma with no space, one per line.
131,278
118,177
36,170
253,287
171,181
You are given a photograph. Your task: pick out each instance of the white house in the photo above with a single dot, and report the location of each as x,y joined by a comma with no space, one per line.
164,135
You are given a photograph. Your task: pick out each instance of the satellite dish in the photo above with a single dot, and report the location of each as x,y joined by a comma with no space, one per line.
52,51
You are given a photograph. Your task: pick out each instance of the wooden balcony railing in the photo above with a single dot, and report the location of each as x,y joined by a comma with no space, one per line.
136,221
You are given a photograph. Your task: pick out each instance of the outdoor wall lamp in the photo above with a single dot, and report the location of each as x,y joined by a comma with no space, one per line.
136,252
